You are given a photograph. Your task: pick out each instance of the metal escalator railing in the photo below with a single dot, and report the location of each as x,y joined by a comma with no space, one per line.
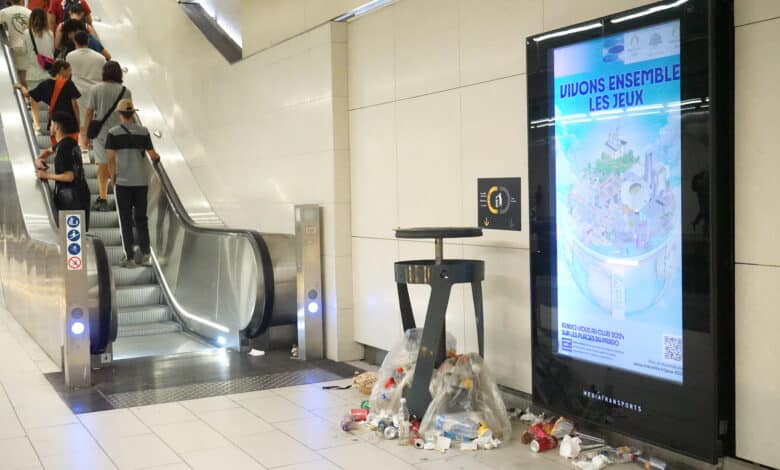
30,252
264,284
220,281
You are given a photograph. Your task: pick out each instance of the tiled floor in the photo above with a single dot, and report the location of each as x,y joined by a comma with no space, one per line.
293,428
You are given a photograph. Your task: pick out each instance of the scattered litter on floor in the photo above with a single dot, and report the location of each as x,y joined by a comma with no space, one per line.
256,353
365,382
584,451
467,413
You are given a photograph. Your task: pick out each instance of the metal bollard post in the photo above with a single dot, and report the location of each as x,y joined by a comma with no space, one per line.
309,280
76,344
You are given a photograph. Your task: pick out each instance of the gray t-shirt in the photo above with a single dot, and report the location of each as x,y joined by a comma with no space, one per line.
101,99
130,147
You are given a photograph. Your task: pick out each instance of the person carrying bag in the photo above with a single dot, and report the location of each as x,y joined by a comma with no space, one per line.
71,190
45,62
96,125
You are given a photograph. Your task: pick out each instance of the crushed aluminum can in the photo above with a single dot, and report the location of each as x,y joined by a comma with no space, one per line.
391,432
542,444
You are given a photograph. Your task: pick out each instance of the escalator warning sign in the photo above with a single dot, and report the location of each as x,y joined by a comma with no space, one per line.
75,260
74,263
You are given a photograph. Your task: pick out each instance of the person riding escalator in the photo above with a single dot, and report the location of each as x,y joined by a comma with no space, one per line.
71,191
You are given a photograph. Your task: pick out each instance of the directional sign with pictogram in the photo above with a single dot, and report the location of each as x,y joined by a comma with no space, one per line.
498,203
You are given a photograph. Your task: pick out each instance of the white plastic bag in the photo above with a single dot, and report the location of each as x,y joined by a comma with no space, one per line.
396,374
467,404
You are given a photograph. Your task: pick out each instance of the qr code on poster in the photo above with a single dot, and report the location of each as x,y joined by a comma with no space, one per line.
673,348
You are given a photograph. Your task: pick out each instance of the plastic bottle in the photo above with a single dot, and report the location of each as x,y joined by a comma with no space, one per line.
403,423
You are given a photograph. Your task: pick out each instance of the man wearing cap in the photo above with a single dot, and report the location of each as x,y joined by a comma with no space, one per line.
126,146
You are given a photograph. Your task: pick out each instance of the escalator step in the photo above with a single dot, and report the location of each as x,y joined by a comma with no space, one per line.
109,236
44,141
146,329
90,170
132,276
93,186
115,252
140,295
109,198
144,314
103,220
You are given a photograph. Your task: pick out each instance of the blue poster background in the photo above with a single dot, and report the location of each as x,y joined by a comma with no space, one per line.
618,201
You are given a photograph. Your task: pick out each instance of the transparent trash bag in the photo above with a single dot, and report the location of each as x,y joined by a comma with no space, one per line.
466,404
396,373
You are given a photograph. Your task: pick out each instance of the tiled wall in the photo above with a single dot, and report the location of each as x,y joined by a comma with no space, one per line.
437,99
260,136
757,224
267,22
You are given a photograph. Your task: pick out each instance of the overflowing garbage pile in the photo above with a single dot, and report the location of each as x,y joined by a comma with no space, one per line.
466,410
585,452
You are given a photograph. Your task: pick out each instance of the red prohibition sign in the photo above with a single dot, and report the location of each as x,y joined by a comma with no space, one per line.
74,263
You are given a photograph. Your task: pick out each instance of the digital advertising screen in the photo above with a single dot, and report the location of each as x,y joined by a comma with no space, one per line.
618,201
631,222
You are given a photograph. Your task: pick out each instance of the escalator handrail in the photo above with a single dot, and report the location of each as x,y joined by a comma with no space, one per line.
28,127
108,326
107,308
263,308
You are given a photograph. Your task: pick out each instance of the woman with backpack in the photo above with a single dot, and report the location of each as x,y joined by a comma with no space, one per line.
71,191
40,48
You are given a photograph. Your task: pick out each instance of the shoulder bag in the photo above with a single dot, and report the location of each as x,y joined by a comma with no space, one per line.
45,62
93,130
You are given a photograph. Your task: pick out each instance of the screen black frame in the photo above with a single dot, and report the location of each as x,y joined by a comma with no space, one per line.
695,418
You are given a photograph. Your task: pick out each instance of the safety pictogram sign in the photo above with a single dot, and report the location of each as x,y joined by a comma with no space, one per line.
74,263
75,260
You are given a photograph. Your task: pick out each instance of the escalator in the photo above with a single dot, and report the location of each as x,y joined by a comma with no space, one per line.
209,286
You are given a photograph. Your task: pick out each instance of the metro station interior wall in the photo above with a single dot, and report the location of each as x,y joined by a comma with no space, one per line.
437,99
267,22
227,14
260,136
437,92
757,225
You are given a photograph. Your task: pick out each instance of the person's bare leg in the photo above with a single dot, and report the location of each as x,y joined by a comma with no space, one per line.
102,178
83,138
22,77
36,110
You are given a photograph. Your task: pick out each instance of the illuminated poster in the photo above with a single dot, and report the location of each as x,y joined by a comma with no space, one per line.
618,201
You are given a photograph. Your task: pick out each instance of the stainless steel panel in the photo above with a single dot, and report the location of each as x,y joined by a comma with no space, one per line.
77,360
309,277
31,259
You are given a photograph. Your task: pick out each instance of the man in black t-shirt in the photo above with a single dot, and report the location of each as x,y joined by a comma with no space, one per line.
71,191
67,93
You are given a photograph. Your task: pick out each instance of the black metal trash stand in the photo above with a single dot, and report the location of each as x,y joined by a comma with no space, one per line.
441,274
